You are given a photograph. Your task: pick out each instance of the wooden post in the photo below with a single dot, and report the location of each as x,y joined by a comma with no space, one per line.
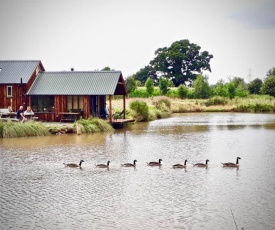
78,129
110,109
124,106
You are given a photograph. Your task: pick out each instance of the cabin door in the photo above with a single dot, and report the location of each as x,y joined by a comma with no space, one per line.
93,106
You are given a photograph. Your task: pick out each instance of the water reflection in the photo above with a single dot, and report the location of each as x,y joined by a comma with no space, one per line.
38,192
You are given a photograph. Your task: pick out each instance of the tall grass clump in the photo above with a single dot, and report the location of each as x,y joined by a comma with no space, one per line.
216,101
17,129
1,128
162,103
140,110
255,108
93,125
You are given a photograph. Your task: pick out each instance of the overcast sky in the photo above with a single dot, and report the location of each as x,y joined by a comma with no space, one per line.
124,34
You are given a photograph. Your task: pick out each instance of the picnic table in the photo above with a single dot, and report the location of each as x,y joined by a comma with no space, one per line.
69,116
8,116
30,116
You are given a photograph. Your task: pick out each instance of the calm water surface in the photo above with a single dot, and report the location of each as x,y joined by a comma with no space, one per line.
38,192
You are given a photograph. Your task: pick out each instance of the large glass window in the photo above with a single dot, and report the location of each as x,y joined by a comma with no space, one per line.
74,103
42,103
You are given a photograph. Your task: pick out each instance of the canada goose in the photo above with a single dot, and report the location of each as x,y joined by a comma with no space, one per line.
154,163
229,164
129,164
202,165
180,165
103,165
73,165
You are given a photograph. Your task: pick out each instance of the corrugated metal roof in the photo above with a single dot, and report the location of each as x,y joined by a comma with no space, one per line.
75,83
11,72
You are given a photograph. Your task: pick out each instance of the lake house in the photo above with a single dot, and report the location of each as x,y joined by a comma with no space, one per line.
51,94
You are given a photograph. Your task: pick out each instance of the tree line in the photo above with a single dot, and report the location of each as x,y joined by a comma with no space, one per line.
177,71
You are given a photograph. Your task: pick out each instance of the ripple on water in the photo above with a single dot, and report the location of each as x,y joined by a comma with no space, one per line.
38,192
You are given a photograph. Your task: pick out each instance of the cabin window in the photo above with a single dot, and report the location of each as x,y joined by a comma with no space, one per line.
9,91
42,103
74,102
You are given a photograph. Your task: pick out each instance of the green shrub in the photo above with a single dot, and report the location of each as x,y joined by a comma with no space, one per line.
149,84
268,86
173,93
163,85
141,110
201,87
182,91
231,90
191,94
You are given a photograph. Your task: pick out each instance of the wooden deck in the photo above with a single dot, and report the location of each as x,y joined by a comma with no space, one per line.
121,122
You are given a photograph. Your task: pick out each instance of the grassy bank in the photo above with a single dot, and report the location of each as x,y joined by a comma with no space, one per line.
10,129
141,109
217,104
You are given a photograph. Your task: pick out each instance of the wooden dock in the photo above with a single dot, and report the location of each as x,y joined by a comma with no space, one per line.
121,122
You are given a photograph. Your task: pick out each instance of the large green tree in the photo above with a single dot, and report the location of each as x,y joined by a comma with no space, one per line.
241,88
201,87
131,84
181,62
144,73
255,86
268,86
271,72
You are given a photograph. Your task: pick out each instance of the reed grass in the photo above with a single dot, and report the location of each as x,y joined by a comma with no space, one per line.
93,125
10,129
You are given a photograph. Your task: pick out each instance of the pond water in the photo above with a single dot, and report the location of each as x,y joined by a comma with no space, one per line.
38,192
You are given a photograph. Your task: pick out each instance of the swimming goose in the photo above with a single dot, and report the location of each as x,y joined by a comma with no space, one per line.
202,165
103,165
129,164
180,165
154,163
73,165
229,164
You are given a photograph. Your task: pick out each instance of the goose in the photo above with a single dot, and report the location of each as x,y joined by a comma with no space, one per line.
73,165
202,165
229,164
154,163
103,165
180,165
129,164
